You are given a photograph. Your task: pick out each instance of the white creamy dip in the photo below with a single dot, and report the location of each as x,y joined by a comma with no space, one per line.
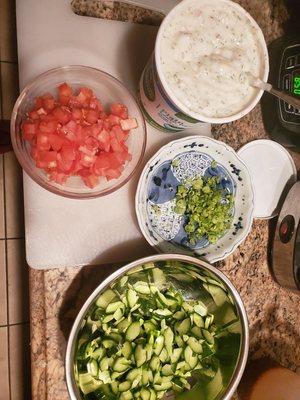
210,50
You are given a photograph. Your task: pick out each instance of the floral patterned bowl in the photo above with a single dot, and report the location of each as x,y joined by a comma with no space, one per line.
183,159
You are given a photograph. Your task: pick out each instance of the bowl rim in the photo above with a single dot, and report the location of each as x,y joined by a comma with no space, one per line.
167,88
42,182
244,346
140,218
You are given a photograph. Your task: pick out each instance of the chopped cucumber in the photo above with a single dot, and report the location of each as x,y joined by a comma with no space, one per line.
106,298
133,331
143,336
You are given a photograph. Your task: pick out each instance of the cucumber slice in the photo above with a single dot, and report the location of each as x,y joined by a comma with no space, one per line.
200,309
145,394
107,318
132,298
149,326
187,307
167,370
133,331
114,387
198,320
183,326
179,315
121,364
87,383
123,325
104,377
149,351
126,395
104,364
98,353
179,341
158,345
165,301
163,313
140,355
176,355
218,294
92,367
118,314
134,374
112,307
197,332
208,336
195,345
106,298
124,386
126,350
169,339
163,356
108,343
142,287
158,277
152,394
123,281
163,386
154,363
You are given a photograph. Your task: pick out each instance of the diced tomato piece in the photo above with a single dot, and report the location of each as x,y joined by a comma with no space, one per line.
123,157
114,163
84,97
103,115
104,139
128,124
48,102
87,160
70,130
92,116
48,126
56,141
113,120
96,129
64,94
91,181
118,133
62,114
120,110
33,115
29,130
42,142
41,111
38,102
46,159
112,174
115,145
95,104
58,177
77,113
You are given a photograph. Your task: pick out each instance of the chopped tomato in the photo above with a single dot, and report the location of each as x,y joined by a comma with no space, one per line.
120,110
64,93
73,135
28,130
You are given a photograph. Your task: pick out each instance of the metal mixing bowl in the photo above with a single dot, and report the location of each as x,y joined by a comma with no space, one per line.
205,267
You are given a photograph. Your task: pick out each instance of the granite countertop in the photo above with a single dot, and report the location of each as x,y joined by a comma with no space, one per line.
273,312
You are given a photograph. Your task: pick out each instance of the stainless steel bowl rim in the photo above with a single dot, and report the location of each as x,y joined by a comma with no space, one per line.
239,369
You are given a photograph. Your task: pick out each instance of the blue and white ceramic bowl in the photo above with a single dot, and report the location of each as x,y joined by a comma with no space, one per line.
192,157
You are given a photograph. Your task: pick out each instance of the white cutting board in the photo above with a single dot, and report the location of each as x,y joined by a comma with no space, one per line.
63,232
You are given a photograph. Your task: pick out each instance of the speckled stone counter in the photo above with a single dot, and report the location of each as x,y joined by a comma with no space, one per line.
274,313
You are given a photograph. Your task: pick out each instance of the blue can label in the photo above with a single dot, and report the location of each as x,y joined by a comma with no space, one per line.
158,108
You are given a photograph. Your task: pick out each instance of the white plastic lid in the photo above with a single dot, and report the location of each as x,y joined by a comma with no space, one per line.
272,170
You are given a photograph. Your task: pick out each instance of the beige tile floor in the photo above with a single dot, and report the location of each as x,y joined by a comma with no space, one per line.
14,309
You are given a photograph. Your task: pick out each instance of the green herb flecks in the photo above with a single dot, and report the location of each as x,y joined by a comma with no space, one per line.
207,208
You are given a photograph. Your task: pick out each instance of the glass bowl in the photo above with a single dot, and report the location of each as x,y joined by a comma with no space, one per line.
109,90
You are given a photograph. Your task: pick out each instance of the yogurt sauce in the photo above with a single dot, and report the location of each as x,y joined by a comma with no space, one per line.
209,53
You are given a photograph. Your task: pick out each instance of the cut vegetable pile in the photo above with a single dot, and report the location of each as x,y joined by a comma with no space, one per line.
73,135
207,209
153,331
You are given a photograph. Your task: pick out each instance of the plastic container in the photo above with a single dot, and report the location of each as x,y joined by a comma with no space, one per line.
161,108
109,90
